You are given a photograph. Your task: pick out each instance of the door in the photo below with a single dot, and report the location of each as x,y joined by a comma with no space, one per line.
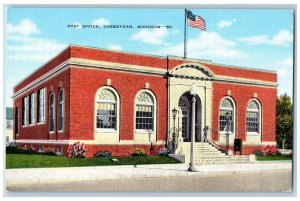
185,123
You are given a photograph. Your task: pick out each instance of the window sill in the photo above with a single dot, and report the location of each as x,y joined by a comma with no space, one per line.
113,131
224,133
144,132
253,134
51,132
40,123
30,125
61,131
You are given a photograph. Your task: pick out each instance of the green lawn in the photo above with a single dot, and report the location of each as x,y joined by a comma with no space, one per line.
275,157
42,161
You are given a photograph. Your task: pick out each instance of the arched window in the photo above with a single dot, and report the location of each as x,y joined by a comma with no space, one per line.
253,116
107,103
52,113
145,108
61,109
227,108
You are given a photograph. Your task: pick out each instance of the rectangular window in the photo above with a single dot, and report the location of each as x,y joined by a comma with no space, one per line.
25,111
32,108
58,150
184,126
41,105
144,117
9,124
61,107
106,115
223,121
17,120
253,122
52,112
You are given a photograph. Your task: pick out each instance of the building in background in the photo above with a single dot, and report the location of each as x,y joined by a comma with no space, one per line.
114,101
9,124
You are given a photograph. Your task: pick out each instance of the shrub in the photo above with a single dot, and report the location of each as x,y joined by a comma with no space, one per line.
107,154
12,148
270,150
77,150
28,149
49,151
164,152
138,152
258,153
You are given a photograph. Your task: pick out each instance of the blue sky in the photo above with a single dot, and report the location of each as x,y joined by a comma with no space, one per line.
257,38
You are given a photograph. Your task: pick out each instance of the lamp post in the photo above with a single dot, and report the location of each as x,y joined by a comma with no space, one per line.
193,92
174,113
227,116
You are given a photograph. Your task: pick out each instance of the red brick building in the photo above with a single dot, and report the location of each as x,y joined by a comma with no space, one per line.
114,101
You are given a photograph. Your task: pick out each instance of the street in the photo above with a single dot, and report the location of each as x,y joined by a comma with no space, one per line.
248,181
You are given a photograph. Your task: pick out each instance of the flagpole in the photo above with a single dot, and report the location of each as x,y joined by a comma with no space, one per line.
184,56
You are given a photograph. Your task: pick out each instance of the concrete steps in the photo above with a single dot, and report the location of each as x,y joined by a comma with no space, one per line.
206,154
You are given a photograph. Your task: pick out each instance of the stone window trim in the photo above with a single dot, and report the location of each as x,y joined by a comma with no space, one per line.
61,106
32,108
100,98
53,113
233,111
41,106
254,106
25,110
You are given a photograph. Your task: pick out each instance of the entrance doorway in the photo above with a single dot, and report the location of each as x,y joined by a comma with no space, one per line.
185,117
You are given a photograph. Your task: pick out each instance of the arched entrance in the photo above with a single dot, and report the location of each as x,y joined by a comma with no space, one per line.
185,117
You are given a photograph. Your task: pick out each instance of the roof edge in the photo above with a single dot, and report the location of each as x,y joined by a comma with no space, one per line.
222,65
245,68
41,66
118,51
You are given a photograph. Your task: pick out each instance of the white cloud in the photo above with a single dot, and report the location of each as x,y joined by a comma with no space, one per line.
283,38
115,47
226,23
151,36
282,72
26,48
101,22
255,40
287,63
284,67
206,45
26,27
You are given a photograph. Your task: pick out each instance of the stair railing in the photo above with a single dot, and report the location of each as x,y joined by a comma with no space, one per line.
215,145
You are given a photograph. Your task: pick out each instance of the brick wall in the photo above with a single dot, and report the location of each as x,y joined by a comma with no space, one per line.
86,82
41,131
141,60
81,84
241,95
118,57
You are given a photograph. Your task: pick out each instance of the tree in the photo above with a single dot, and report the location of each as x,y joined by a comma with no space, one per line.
284,122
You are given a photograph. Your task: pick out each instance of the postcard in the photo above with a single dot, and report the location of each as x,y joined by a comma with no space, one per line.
160,99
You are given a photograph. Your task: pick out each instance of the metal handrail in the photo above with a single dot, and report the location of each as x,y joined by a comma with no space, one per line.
215,145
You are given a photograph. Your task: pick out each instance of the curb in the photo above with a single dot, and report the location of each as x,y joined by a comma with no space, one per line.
45,176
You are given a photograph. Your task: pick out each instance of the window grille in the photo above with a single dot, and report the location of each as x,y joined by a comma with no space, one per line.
226,106
253,117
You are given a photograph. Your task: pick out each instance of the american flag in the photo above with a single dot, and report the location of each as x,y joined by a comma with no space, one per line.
195,21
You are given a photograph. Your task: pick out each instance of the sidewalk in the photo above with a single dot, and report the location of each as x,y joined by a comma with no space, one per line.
44,176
